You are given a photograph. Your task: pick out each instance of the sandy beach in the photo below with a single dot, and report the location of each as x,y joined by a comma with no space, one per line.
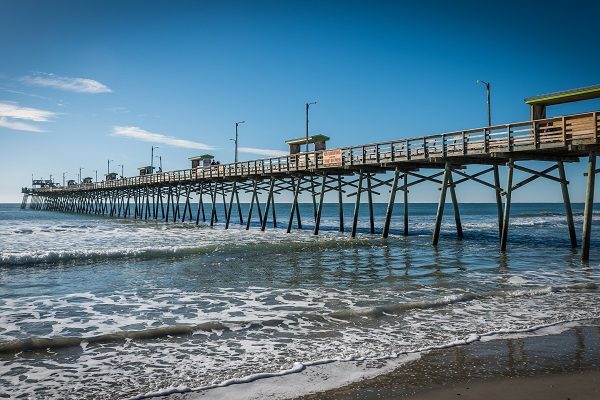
560,366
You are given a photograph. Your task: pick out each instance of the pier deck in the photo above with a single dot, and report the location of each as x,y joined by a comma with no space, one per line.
353,171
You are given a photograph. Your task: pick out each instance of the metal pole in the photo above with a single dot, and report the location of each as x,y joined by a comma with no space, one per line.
307,107
236,139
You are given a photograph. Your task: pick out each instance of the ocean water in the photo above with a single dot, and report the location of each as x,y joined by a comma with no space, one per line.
105,308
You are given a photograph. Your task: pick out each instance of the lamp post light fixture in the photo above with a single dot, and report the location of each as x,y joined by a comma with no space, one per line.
489,105
235,141
159,162
152,159
307,107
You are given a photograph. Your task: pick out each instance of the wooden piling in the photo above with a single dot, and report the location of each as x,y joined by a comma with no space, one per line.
320,209
341,203
505,222
441,205
459,230
357,204
405,184
499,209
263,224
390,207
567,202
588,208
370,198
294,205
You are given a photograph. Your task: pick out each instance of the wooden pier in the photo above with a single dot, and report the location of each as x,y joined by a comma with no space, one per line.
353,171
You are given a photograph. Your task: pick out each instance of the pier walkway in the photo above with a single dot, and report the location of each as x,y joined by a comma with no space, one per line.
352,171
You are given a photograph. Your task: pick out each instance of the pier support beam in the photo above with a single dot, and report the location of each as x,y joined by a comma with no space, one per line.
405,200
509,189
567,201
263,224
320,209
390,207
459,230
588,208
294,208
370,197
341,202
441,205
498,198
357,204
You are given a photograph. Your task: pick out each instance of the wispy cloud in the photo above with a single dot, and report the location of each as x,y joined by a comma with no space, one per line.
12,117
134,132
79,85
262,152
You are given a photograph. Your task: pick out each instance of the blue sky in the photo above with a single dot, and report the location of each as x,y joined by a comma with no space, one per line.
83,82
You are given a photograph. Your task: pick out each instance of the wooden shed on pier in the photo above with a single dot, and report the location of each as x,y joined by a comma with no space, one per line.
202,161
317,140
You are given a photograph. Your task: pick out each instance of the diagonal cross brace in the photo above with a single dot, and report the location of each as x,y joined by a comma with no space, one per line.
536,175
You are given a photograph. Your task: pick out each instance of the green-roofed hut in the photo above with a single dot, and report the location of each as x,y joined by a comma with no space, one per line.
147,170
539,103
110,176
202,161
88,180
318,141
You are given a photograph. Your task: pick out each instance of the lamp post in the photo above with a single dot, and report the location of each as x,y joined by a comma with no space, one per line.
121,165
489,106
307,107
96,171
64,173
108,169
152,159
159,162
80,168
236,139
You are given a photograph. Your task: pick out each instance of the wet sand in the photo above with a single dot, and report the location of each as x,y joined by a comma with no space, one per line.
561,366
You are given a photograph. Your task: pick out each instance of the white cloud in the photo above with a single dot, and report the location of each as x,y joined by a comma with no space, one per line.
137,133
12,115
18,126
11,110
79,85
262,152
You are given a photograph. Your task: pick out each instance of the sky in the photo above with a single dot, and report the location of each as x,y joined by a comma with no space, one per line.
84,82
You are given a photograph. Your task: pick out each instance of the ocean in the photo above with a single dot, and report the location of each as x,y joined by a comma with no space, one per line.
106,308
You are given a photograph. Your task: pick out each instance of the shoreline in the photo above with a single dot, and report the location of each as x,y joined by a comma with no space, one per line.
555,366
568,352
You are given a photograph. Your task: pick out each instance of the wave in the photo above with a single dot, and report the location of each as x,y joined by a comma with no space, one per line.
258,247
37,343
396,308
179,330
301,366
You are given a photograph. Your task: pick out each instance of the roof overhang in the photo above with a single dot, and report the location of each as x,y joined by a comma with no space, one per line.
311,139
567,96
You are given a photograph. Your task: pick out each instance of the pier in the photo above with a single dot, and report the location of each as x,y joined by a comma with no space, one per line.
357,171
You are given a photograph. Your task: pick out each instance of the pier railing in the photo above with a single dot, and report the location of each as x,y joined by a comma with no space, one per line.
557,132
